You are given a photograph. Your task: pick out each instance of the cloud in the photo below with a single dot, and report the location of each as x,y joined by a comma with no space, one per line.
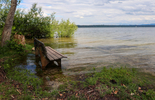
98,11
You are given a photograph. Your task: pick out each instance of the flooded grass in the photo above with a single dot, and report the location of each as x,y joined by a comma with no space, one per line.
68,53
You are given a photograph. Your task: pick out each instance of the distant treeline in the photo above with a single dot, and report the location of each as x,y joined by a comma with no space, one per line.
116,26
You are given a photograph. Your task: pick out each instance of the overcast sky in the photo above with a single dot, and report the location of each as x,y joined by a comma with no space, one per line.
86,12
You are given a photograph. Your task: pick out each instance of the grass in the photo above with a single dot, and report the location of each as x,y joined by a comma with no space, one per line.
122,83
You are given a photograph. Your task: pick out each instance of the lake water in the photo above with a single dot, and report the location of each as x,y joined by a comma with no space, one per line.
98,47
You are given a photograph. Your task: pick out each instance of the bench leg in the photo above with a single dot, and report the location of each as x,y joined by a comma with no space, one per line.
44,62
59,62
37,51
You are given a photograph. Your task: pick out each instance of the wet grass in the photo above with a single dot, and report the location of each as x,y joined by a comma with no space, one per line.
20,83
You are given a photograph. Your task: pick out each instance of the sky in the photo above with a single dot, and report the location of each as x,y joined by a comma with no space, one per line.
98,12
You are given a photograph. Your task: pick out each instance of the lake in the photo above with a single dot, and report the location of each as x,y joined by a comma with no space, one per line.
90,48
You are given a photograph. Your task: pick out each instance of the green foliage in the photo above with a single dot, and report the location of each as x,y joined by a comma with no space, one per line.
12,48
92,81
4,9
54,93
12,45
66,28
26,97
33,23
150,94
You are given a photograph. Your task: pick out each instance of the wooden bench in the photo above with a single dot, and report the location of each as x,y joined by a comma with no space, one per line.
47,54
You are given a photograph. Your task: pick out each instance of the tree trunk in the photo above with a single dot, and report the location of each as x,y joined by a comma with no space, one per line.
8,23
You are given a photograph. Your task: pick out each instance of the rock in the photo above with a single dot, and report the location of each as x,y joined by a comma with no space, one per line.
33,49
20,39
132,94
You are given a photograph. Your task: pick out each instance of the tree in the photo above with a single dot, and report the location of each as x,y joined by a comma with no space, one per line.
8,23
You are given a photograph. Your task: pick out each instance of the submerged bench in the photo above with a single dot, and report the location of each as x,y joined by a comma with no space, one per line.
47,54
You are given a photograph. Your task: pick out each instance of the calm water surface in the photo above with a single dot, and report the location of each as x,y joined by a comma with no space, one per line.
98,47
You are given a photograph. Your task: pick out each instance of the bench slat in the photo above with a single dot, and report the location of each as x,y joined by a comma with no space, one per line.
50,58
56,52
52,54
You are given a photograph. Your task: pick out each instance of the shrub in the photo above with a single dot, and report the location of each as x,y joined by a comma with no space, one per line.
66,28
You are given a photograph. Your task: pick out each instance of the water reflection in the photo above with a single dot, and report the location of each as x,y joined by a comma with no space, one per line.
57,43
29,62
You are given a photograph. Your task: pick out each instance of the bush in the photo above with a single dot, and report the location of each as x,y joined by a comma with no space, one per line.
66,28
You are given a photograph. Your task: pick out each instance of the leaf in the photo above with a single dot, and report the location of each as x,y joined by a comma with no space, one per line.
123,85
61,95
139,88
19,91
17,86
140,91
12,96
115,92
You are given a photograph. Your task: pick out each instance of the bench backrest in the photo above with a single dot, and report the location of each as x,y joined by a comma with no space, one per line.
39,44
